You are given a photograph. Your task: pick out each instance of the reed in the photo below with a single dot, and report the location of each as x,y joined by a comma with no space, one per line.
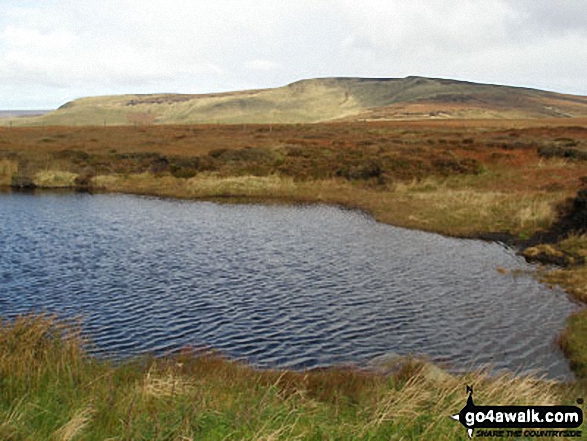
8,169
51,389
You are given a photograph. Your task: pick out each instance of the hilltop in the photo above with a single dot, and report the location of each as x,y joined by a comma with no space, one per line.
325,99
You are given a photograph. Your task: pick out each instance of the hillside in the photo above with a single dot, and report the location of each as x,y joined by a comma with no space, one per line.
327,99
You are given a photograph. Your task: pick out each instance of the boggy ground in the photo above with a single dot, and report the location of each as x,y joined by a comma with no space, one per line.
518,181
459,178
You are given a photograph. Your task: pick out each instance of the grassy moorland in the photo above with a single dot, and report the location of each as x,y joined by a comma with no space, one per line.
320,100
459,178
520,181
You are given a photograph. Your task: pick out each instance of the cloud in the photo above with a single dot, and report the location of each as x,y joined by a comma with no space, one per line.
65,49
545,16
261,65
518,43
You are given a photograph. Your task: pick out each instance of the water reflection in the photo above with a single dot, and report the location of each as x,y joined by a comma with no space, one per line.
294,287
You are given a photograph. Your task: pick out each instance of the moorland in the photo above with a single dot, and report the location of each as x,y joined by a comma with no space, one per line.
321,100
522,181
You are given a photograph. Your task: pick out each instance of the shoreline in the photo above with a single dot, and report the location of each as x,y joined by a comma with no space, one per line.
50,386
511,241
488,180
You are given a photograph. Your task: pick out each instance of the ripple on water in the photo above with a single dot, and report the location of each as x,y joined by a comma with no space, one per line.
293,287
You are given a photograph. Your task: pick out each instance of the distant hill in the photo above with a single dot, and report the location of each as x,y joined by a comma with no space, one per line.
326,99
21,113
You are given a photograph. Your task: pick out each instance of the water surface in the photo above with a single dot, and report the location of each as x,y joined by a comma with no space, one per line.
278,286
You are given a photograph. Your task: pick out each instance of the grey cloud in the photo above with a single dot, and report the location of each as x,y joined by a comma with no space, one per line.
561,16
86,47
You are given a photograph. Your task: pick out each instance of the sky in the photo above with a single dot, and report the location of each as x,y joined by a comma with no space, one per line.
53,51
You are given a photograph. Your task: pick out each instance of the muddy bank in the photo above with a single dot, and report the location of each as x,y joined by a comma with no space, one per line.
545,247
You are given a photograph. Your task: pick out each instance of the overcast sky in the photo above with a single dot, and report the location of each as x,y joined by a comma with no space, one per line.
53,51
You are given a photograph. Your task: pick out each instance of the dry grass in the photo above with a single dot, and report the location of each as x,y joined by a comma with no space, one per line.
462,212
165,385
419,393
459,207
75,426
575,245
12,418
52,391
468,210
213,186
572,253
574,280
55,179
555,163
241,186
8,168
536,214
573,343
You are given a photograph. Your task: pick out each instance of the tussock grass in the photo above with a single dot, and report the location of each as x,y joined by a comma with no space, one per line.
425,205
214,186
555,163
463,210
51,389
536,214
165,385
572,253
54,179
455,205
573,342
8,168
252,186
75,426
573,279
574,245
420,185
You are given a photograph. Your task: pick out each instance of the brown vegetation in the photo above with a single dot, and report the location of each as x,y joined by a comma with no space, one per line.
457,178
505,179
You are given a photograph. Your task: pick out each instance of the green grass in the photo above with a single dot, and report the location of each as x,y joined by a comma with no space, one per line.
574,342
51,390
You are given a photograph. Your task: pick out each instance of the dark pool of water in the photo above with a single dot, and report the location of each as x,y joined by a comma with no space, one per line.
278,286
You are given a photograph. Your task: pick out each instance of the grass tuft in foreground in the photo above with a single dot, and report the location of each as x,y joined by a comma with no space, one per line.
51,389
574,344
